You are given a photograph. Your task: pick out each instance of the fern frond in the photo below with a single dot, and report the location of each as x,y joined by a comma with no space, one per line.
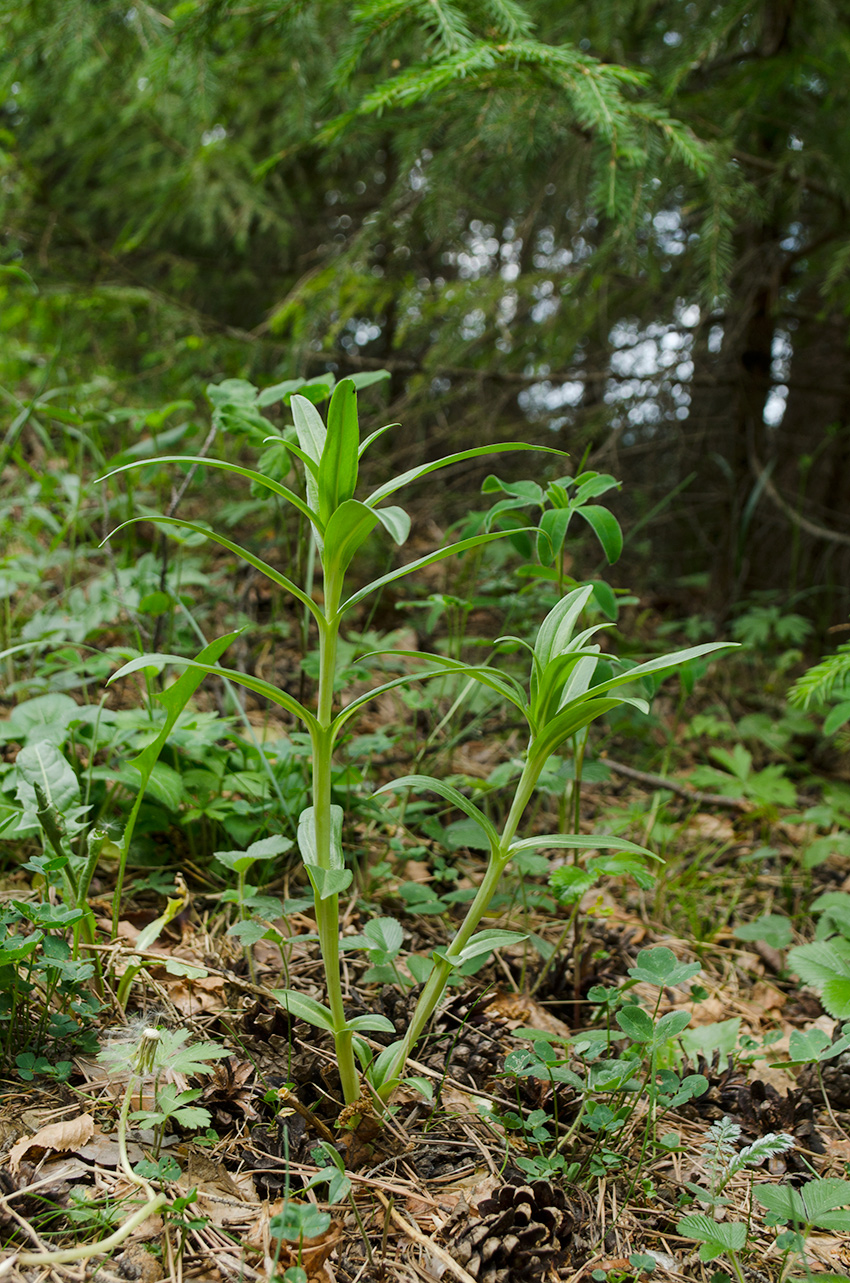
817,685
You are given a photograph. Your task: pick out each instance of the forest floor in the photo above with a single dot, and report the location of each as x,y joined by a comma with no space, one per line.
486,1174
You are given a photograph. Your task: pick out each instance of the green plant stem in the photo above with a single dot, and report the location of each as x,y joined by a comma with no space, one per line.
327,910
436,983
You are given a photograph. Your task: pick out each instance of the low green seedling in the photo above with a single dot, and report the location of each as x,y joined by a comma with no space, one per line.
569,687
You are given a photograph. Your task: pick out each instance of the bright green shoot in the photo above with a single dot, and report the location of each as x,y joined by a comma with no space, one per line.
561,702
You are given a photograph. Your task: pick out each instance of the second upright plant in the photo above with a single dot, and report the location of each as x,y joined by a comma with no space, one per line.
560,701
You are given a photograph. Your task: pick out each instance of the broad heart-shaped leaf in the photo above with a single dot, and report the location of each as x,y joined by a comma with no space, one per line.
431,785
44,765
349,526
606,527
298,1004
395,521
338,463
716,1237
661,967
482,943
198,670
307,844
328,882
825,965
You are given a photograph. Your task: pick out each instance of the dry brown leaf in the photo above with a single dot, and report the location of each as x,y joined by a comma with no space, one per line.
517,1009
62,1136
716,827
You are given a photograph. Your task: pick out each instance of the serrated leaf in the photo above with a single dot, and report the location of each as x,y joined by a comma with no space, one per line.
385,933
825,965
717,1236
661,967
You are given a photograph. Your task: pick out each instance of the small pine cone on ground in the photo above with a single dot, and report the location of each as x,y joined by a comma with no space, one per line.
522,1231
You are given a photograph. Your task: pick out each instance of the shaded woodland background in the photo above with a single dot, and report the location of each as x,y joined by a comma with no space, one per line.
617,227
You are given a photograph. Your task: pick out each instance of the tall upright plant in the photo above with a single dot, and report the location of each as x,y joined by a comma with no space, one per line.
561,700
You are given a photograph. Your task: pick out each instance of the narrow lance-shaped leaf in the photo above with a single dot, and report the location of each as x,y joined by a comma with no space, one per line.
427,782
338,463
255,684
269,571
248,473
463,545
413,474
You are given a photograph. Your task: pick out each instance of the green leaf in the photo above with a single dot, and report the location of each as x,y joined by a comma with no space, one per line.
783,1201
553,529
453,550
197,671
670,1026
349,527
166,785
582,842
836,717
298,1004
483,943
328,882
606,527
773,928
422,1085
414,474
384,933
244,555
307,844
556,631
299,1221
338,464
43,764
371,1023
661,967
201,460
825,965
716,1237
395,521
427,783
636,1023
